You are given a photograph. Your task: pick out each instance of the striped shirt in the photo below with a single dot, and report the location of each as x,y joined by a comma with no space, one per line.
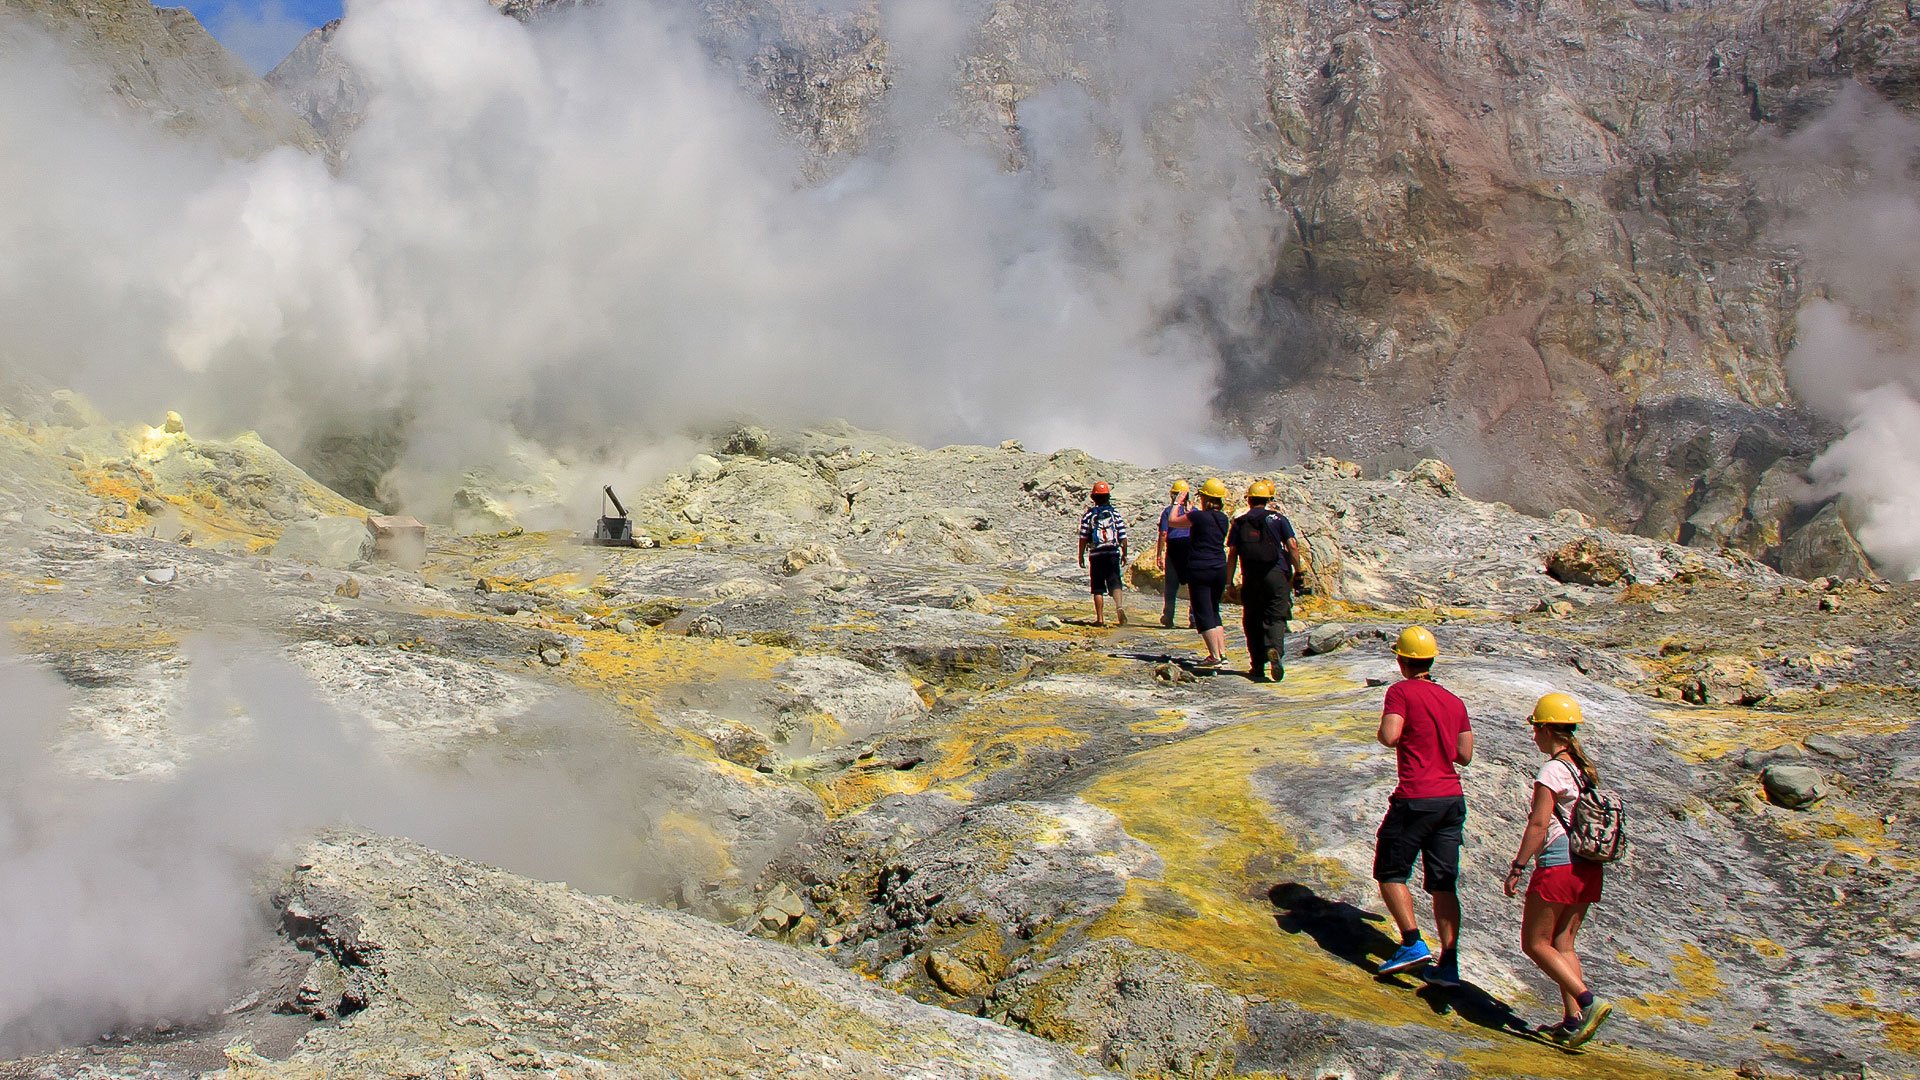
1086,527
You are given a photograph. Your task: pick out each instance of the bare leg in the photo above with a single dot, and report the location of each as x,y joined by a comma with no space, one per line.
1446,920
1099,609
1216,640
1399,901
1564,931
1537,926
1119,610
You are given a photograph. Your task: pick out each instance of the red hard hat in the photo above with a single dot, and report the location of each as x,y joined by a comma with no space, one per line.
1103,488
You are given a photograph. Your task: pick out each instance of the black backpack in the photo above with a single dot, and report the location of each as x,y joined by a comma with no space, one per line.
1256,539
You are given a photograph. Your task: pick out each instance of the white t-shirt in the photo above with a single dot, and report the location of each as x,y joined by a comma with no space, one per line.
1561,777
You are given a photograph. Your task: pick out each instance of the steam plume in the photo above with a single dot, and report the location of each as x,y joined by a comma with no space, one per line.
125,903
1853,179
586,226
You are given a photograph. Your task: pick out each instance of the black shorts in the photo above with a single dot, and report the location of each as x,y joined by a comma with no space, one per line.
1429,828
1104,567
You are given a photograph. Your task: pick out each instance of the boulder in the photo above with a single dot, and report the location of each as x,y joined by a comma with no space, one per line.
1586,561
1328,637
1048,622
1795,787
968,598
1825,546
334,542
1437,476
1829,747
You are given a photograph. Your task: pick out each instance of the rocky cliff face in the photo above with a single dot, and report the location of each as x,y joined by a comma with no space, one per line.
1525,235
162,62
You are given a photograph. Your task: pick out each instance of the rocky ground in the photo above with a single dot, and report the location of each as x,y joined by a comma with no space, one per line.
851,703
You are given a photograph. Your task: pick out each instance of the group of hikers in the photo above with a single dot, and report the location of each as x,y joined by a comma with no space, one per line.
1200,548
1573,827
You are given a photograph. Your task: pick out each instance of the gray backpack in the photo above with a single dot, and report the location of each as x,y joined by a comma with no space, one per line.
1597,828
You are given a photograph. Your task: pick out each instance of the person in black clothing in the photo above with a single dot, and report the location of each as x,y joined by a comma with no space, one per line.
1206,565
1267,551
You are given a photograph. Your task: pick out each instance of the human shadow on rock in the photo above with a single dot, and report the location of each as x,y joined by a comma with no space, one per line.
1357,936
1353,934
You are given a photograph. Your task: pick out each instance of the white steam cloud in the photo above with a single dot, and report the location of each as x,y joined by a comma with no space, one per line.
1853,181
127,903
586,229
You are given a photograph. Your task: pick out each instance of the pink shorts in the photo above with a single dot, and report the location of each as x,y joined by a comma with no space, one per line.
1578,882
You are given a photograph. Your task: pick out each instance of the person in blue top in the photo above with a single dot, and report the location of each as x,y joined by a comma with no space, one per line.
1170,554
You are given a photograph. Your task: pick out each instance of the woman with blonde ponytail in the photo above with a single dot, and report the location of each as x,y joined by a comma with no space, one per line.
1562,885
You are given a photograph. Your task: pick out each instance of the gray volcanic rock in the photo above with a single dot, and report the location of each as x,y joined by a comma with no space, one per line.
586,985
164,63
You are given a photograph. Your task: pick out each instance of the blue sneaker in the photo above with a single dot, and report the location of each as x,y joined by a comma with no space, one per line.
1443,972
1409,956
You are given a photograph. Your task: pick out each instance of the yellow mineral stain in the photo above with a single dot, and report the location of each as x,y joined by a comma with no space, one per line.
1696,982
1193,802
1902,1029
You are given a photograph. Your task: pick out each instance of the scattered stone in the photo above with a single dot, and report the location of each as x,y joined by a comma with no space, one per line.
705,625
1792,786
955,975
1571,518
1048,622
625,626
748,441
348,589
1013,445
815,554
781,909
1327,637
552,655
174,425
1437,475
1586,561
159,576
1173,673
1828,746
381,637
968,598
705,468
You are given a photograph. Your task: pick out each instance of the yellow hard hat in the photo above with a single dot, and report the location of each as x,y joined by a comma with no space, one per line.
1416,643
1213,488
1260,489
1179,487
1559,710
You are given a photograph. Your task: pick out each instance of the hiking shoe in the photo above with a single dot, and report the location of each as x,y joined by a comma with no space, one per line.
1211,662
1273,656
1166,621
1258,675
1595,1015
1442,972
1408,956
1558,1033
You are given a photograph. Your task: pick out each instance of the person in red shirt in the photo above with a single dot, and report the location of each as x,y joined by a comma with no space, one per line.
1427,727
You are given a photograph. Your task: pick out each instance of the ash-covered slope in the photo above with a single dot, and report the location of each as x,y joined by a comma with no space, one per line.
885,734
1525,238
163,63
